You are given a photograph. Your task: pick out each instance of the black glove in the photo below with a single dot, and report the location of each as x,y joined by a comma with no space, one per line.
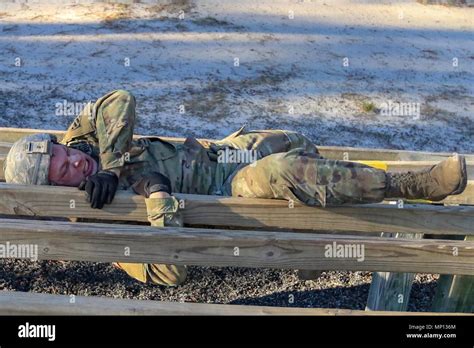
100,188
151,183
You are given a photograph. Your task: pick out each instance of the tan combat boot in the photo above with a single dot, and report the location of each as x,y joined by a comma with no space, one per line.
436,183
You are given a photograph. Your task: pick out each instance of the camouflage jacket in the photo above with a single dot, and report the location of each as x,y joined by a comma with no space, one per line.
108,137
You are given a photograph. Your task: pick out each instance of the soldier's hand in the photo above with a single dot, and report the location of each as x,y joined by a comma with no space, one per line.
100,188
151,183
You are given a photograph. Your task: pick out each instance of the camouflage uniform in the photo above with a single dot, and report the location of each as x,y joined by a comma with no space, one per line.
288,166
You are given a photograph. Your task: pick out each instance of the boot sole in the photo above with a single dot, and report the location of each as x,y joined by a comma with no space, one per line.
463,183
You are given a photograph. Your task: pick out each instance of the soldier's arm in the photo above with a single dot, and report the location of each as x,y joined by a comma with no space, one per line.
107,126
162,210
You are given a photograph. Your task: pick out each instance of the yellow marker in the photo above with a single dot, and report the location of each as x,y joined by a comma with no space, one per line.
375,164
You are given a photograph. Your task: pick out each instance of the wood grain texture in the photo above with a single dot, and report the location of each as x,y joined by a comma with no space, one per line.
393,166
390,291
466,198
57,240
244,212
2,160
5,147
25,303
455,293
10,135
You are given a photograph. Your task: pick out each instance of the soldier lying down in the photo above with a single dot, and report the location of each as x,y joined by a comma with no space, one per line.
98,155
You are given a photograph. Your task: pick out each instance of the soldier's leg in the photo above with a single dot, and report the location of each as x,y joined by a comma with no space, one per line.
161,212
267,142
306,177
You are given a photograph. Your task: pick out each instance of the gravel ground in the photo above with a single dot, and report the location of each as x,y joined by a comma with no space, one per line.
266,287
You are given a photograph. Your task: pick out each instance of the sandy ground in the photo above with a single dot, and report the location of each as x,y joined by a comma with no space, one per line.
324,68
291,71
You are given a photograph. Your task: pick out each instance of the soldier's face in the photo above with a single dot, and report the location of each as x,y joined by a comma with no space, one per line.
68,167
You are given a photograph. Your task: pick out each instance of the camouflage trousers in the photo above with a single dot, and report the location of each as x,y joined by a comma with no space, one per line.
288,166
160,212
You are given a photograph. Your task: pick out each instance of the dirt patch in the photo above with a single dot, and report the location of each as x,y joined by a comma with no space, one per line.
116,13
211,101
454,3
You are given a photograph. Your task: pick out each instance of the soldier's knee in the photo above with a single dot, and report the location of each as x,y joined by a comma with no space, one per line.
167,275
159,274
298,140
285,162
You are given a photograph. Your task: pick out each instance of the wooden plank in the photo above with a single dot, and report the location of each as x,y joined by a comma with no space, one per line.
243,212
391,291
393,166
455,293
67,202
336,152
2,160
467,197
25,303
10,135
5,147
359,153
57,240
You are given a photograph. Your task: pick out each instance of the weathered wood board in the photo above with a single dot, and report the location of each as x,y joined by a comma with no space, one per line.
98,242
55,201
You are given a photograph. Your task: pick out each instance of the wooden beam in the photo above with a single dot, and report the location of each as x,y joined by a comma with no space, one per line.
455,293
25,303
57,240
2,160
67,202
242,212
390,291
10,135
359,153
5,147
467,197
393,166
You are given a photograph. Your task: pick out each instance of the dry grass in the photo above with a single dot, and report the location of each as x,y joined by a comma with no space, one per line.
368,106
116,13
458,3
210,21
212,101
172,8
